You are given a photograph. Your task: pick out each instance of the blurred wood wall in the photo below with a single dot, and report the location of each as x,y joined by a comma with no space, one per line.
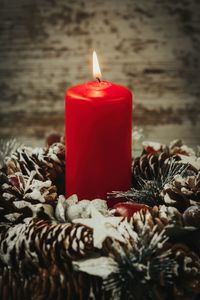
153,47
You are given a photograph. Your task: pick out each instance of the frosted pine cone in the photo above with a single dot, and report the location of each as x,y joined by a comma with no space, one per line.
135,271
182,192
43,242
153,267
177,147
168,219
187,285
56,160
47,163
55,166
186,279
24,196
154,165
149,167
151,173
191,216
143,222
158,215
48,283
24,161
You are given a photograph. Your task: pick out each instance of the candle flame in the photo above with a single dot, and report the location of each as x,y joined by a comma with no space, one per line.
96,68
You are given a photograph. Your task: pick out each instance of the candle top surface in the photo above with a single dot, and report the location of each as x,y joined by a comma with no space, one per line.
98,90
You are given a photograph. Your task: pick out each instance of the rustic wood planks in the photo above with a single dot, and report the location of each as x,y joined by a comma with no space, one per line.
151,46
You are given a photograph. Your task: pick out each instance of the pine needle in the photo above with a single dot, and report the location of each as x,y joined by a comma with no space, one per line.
149,191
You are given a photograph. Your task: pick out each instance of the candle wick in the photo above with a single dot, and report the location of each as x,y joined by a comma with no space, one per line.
98,79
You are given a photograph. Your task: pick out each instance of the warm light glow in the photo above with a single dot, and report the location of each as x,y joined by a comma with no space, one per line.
96,68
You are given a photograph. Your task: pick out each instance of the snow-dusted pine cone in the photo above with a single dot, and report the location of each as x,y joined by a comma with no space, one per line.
158,215
24,196
47,283
187,285
149,167
175,148
143,222
186,279
182,192
34,176
43,242
169,219
47,163
154,164
155,266
153,173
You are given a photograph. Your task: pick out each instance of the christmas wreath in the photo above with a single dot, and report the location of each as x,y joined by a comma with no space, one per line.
146,247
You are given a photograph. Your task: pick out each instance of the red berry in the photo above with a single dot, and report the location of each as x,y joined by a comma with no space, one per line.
127,209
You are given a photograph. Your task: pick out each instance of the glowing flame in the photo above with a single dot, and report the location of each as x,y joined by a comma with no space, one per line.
96,68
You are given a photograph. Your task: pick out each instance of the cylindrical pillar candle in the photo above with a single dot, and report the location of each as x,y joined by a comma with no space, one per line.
98,118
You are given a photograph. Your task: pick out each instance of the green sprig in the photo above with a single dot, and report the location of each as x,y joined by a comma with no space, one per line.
149,191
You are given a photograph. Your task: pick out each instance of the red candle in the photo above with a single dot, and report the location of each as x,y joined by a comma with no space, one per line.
98,118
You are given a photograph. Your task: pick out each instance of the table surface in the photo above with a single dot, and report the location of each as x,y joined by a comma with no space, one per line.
150,46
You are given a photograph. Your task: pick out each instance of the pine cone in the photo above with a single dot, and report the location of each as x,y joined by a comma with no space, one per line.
56,167
169,219
156,166
149,167
56,158
144,221
24,161
140,270
158,267
159,216
182,192
177,147
12,286
24,196
191,216
51,284
153,173
187,284
186,280
54,284
47,163
42,242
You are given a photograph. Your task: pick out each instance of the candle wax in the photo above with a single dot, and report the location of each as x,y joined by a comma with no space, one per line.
98,139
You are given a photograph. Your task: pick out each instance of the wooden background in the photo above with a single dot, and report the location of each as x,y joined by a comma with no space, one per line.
153,47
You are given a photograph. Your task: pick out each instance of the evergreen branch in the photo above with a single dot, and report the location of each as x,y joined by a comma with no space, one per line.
149,191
